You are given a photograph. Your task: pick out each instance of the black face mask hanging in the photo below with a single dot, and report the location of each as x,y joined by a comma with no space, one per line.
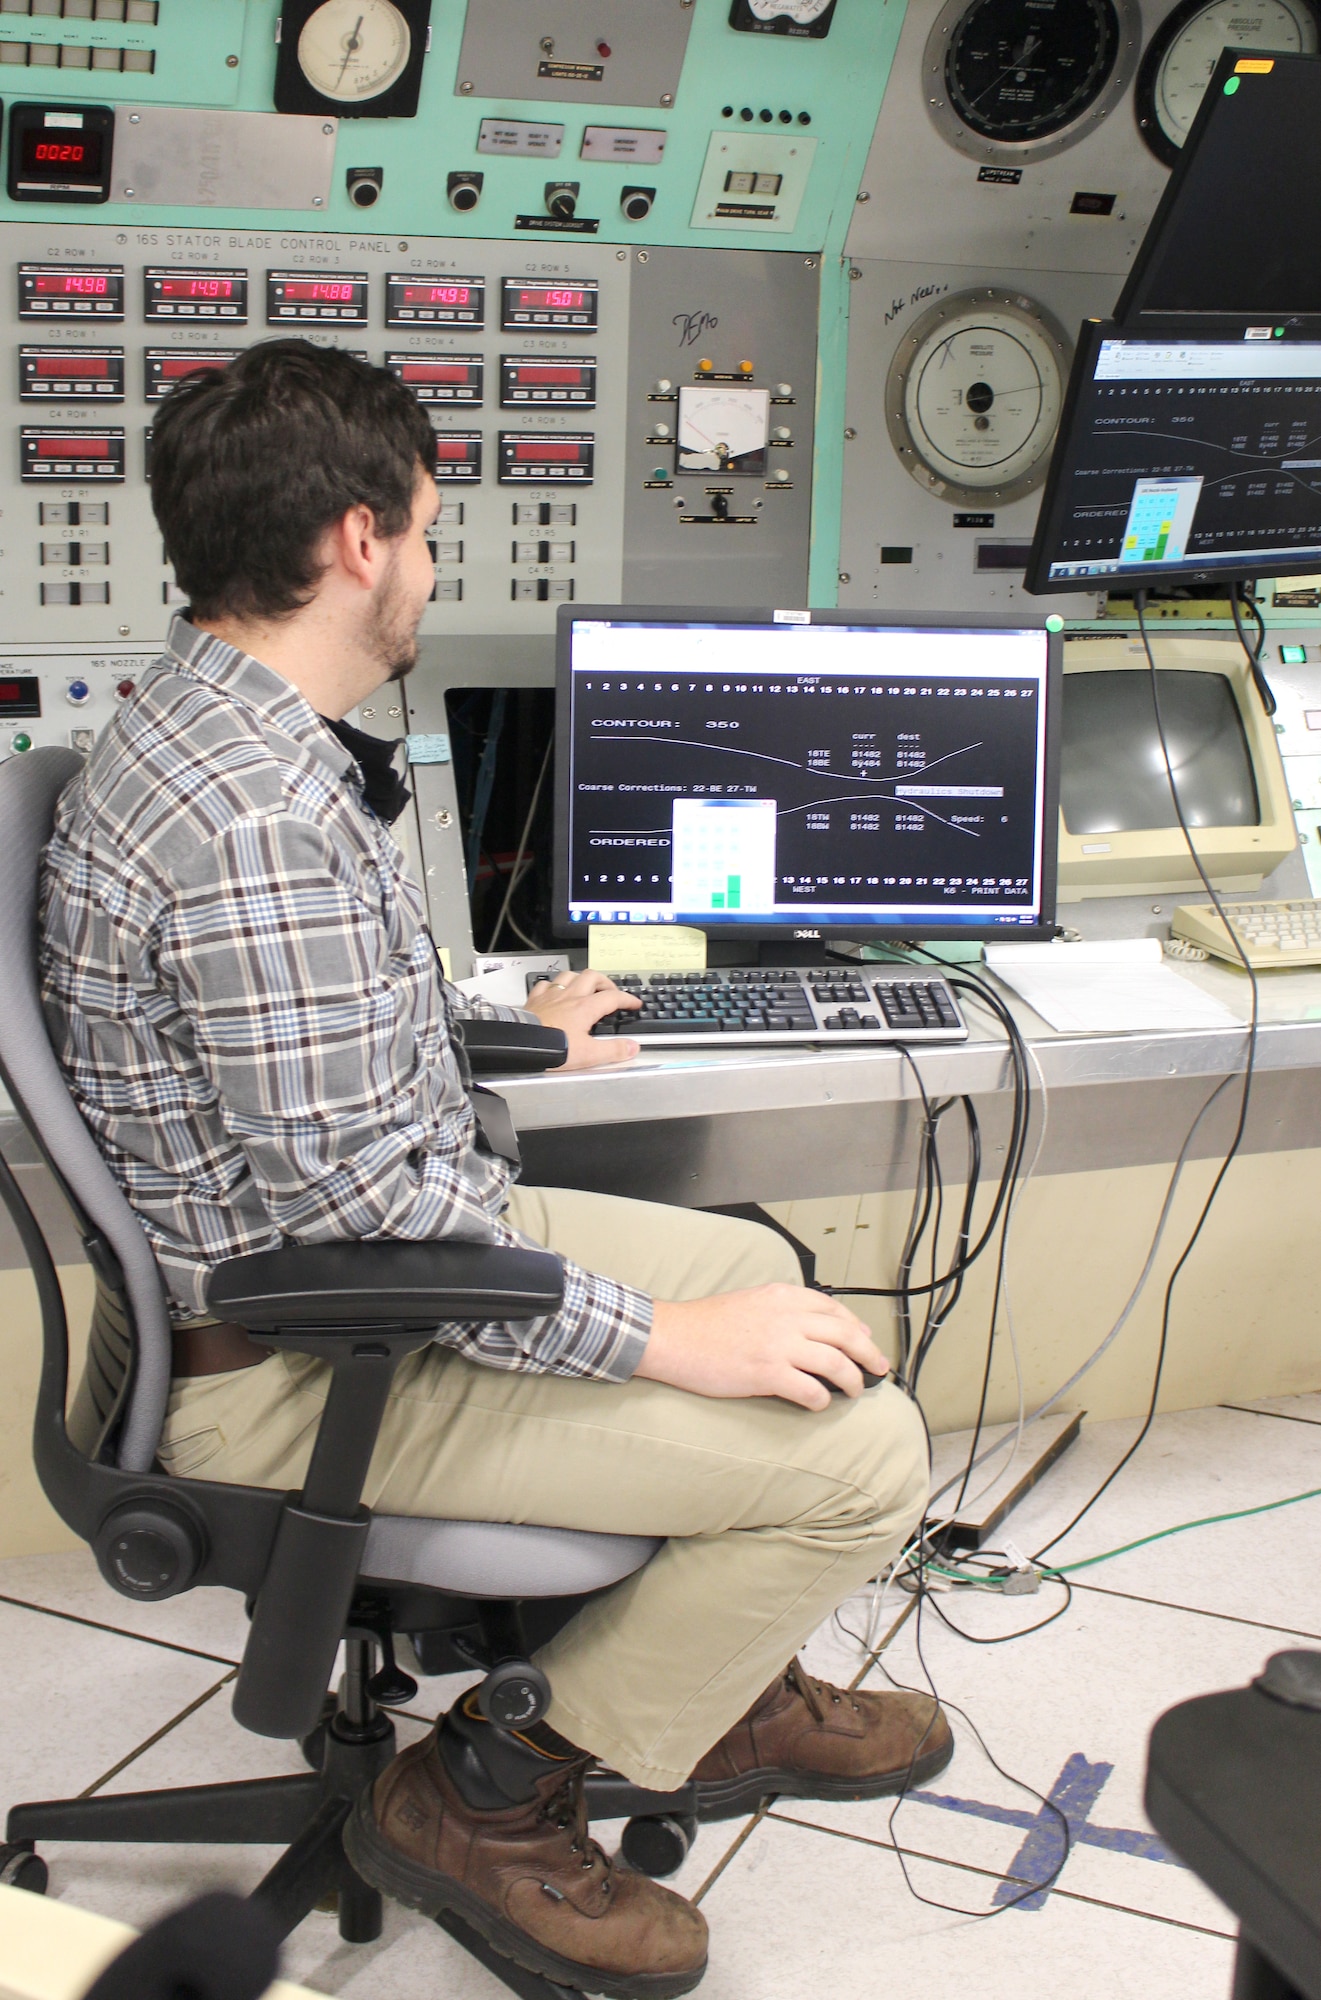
382,787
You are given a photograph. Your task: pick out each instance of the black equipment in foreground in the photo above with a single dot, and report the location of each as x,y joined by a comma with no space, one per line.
1233,1783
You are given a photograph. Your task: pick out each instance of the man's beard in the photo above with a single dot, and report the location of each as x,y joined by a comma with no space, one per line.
393,631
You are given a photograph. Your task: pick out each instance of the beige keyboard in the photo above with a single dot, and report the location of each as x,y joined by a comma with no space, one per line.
1272,934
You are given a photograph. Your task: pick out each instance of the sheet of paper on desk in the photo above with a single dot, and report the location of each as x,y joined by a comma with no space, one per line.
1114,988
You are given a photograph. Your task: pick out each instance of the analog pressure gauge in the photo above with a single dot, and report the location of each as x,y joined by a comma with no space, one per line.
1022,79
782,17
973,396
353,58
723,430
1186,48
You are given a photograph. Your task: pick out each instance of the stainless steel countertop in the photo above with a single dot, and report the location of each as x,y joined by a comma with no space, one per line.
706,1083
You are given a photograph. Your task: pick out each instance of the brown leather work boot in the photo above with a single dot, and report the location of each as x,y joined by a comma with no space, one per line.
528,1876
804,1739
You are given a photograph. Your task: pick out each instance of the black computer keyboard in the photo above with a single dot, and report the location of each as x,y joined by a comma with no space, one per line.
765,1005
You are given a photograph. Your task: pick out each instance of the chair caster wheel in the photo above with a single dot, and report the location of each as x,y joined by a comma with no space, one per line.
313,1745
659,1846
514,1694
20,1868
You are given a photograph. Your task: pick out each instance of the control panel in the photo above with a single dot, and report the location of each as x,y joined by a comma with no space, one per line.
571,391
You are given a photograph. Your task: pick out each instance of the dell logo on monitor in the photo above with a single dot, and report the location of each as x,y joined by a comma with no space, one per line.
807,934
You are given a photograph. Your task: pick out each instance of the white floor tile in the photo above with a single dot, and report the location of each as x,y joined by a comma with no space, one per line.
798,1911
208,1620
76,1701
1069,1701
1194,1463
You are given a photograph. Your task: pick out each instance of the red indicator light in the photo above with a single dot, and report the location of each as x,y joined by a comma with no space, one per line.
72,364
558,377
545,452
71,284
320,290
73,447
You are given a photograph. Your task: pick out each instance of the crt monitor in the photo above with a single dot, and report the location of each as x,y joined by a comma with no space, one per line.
1239,221
1183,456
1119,833
778,775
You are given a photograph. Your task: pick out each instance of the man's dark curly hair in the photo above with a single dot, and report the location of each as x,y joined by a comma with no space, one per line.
252,463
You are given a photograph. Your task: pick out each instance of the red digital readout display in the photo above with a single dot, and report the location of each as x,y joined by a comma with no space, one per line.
572,378
543,453
453,452
550,298
69,365
14,691
436,295
71,151
319,291
73,447
435,371
195,288
71,284
175,367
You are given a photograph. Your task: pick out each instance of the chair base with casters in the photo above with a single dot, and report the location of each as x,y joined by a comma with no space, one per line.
315,1567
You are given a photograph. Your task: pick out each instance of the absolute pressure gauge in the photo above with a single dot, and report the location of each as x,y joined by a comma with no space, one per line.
782,17
973,396
351,58
1186,48
1023,79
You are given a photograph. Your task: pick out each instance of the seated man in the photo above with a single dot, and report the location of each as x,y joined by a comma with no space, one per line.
249,1010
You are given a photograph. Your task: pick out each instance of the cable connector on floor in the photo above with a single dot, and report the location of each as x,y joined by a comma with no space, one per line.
1024,1578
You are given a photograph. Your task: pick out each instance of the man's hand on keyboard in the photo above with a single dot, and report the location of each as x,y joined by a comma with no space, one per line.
775,1340
575,1002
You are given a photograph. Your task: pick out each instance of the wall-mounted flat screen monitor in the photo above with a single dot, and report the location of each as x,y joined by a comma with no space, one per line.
806,774
1193,456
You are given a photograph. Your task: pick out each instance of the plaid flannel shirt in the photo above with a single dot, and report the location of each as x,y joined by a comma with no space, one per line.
245,1001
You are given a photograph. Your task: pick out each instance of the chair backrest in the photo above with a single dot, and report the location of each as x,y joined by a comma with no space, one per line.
29,788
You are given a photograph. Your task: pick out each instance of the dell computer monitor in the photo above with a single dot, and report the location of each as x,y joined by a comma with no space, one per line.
1238,225
1183,456
780,775
1119,831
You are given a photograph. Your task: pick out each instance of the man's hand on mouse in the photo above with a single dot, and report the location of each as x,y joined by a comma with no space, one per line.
776,1340
575,1002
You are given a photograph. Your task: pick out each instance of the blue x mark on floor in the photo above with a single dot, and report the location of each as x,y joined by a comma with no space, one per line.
1074,1793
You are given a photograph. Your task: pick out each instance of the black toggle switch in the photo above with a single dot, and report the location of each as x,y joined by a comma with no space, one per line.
562,200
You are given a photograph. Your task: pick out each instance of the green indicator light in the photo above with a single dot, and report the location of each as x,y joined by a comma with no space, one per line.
21,742
1279,333
1231,85
1293,656
1054,623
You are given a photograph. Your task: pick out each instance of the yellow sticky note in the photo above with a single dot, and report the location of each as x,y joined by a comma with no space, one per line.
645,948
446,964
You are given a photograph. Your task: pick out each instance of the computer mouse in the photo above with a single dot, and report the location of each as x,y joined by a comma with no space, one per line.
869,1381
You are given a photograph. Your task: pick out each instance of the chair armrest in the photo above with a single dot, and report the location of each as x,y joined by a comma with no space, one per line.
511,1048
355,1286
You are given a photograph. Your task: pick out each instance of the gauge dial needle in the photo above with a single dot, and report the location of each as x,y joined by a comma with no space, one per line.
351,47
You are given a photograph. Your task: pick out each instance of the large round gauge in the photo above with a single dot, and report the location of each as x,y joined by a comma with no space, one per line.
352,50
1186,47
1023,79
973,396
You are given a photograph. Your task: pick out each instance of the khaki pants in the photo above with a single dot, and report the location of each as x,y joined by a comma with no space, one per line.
774,1514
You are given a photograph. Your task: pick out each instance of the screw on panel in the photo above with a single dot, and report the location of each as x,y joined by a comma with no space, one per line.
845,577
850,432
135,117
809,263
621,256
465,90
231,62
124,631
328,131
862,195
443,818
644,256
129,194
667,99
854,273
317,200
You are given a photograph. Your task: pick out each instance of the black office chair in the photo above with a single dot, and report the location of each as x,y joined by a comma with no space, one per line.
315,1567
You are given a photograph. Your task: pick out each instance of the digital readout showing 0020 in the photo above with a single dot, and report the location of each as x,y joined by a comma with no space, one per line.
80,291
434,300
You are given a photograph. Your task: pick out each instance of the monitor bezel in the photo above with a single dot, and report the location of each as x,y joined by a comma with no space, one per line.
790,933
1050,514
